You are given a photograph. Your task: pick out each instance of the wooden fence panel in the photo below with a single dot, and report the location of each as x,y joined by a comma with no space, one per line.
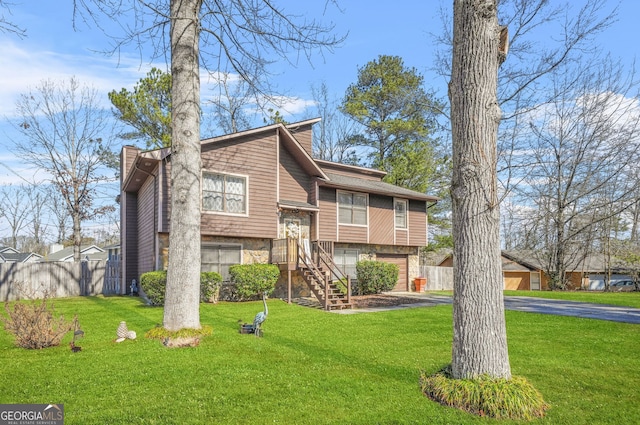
438,278
59,279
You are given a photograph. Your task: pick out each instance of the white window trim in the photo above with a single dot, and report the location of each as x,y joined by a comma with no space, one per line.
366,195
226,245
406,213
246,179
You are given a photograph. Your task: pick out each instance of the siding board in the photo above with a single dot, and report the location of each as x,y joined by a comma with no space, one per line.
417,223
255,157
327,217
381,220
294,181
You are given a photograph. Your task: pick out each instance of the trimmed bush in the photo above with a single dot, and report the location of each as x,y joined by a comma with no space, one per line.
252,280
210,283
375,277
513,398
154,285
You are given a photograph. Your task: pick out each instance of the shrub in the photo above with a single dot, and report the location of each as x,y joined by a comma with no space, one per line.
210,283
254,279
154,285
34,325
513,398
375,277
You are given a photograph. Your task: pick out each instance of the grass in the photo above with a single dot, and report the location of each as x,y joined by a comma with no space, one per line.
627,299
311,367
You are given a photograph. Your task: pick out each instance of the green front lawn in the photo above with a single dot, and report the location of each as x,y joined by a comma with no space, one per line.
311,367
627,299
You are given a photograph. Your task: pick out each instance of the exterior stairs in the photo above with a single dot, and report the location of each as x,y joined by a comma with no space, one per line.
328,293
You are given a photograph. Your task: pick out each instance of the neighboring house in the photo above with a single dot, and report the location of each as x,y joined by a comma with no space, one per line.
11,255
262,189
21,257
523,271
87,252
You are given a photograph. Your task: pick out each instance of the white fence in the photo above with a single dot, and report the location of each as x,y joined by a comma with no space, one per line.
438,278
58,279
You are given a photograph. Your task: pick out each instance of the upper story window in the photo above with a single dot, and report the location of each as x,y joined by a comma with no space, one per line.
224,193
352,208
400,207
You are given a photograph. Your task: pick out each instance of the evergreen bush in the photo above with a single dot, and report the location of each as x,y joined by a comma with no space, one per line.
252,280
375,277
154,285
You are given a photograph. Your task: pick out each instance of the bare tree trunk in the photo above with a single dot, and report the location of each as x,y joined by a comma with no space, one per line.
182,300
479,331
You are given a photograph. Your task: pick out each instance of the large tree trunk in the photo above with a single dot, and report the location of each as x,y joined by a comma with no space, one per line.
479,331
182,300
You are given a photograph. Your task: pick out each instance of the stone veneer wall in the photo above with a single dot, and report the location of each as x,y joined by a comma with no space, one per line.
368,252
258,251
253,250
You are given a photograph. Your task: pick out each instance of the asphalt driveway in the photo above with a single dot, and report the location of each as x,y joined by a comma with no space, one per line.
533,305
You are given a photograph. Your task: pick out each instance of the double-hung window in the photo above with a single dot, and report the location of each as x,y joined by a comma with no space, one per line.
400,207
224,193
218,258
346,260
352,208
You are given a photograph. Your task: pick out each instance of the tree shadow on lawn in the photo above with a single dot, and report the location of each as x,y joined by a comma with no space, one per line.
403,374
139,314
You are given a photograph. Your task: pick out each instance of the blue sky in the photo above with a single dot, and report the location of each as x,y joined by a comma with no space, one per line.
53,50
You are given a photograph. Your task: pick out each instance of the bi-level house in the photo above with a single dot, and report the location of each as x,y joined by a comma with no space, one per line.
265,199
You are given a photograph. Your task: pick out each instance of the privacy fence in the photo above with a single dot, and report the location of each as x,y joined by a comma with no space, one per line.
438,278
59,279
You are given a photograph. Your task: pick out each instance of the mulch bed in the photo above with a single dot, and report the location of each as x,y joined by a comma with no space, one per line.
382,300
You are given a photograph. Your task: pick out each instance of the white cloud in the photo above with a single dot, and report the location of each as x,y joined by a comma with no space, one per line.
25,67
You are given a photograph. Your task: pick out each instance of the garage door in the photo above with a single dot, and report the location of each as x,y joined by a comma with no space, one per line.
402,262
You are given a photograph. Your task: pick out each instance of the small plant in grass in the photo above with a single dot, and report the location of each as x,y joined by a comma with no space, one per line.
251,280
513,398
375,277
34,325
210,283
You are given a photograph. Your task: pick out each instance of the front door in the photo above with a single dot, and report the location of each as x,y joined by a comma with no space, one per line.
534,281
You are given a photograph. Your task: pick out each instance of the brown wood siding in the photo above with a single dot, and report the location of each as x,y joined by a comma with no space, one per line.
381,220
294,181
417,223
402,262
164,195
344,171
353,234
146,227
402,237
327,217
255,157
129,228
304,136
127,157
